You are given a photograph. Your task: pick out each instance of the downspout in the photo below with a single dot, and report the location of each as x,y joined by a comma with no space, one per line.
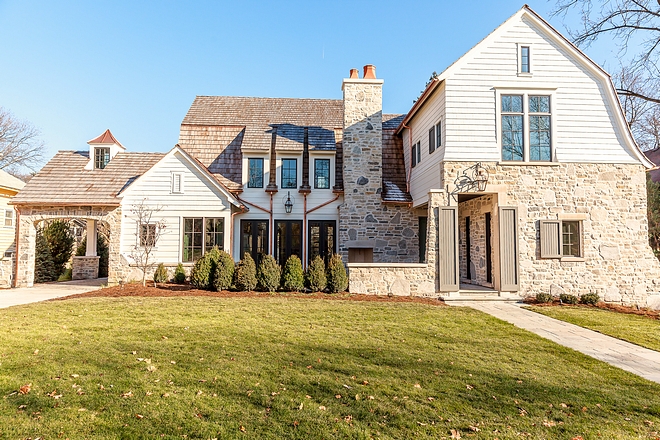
16,237
410,161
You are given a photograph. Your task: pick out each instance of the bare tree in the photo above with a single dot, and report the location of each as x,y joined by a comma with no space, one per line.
20,146
148,232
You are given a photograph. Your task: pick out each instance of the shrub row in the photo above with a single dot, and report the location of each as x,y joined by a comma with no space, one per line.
216,271
565,298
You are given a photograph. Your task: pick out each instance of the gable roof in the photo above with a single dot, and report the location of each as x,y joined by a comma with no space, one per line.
565,44
105,138
10,182
64,181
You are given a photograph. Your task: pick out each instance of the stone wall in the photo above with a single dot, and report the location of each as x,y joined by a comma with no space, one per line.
476,210
6,272
364,221
610,200
391,279
28,218
85,268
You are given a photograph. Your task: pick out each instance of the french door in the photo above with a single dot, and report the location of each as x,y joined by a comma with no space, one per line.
288,240
254,239
321,238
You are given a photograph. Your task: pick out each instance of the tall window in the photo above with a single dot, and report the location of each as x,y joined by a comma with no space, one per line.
570,238
539,128
321,240
526,123
431,139
289,173
416,153
524,59
255,173
322,173
254,239
512,127
201,235
438,134
101,157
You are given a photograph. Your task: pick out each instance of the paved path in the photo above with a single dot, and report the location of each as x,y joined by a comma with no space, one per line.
627,356
41,292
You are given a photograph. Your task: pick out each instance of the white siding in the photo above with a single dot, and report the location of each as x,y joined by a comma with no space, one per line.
584,125
199,199
426,174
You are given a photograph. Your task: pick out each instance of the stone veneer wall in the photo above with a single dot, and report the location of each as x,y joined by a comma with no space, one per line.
618,262
364,221
85,268
6,272
29,216
476,209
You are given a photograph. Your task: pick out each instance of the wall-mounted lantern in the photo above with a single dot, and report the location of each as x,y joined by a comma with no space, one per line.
472,179
288,203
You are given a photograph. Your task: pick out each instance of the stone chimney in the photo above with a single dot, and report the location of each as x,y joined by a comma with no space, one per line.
362,157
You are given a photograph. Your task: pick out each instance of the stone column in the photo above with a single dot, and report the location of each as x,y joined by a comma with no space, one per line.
25,248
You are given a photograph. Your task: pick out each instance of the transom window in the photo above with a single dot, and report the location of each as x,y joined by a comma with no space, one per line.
200,235
289,173
322,173
101,157
526,128
255,173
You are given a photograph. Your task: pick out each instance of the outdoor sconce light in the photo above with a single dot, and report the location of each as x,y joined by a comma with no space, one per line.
288,203
472,179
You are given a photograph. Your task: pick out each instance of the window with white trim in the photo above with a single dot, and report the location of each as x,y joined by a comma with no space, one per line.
9,217
525,66
101,157
255,172
526,127
561,238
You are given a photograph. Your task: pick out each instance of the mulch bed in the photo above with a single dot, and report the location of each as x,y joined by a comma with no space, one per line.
630,310
172,290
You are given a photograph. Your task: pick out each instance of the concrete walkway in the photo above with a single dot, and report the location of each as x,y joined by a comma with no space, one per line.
630,357
42,292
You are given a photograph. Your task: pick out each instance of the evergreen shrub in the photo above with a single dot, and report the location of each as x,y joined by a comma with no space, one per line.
589,298
315,277
160,274
44,270
245,275
566,298
268,274
293,277
337,277
224,271
180,274
61,241
202,275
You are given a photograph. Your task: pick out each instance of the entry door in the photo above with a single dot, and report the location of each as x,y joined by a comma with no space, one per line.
447,220
254,239
288,240
321,238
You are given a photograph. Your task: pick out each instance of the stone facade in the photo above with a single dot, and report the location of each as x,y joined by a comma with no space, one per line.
610,202
476,210
364,221
85,268
6,272
30,216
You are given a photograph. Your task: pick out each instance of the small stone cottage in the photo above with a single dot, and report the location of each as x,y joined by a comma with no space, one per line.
514,173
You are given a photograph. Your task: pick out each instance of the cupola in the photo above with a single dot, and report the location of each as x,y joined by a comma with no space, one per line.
102,149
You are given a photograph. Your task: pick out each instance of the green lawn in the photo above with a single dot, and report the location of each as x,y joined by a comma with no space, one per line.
639,330
280,367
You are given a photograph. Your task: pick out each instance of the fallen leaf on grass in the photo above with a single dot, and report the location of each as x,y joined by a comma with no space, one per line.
82,409
337,396
549,423
430,399
75,375
322,408
139,416
474,428
242,428
36,351
25,388
128,394
22,407
455,434
417,385
166,395
469,387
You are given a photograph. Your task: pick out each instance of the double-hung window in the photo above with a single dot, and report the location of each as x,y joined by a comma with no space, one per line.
101,157
524,59
255,172
9,217
416,153
526,128
321,173
200,235
289,173
435,137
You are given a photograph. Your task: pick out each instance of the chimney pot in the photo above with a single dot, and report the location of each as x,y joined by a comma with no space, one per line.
354,73
369,72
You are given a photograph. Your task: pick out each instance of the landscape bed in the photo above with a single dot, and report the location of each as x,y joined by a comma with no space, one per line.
286,367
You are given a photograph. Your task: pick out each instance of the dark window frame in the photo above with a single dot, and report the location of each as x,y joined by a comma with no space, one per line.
254,232
101,157
188,254
438,135
289,182
432,140
316,174
525,59
324,252
260,182
552,245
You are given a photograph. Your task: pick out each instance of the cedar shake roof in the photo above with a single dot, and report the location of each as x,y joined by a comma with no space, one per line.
63,180
394,169
106,138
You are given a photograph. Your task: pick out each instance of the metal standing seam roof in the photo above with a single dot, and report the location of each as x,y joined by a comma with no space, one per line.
63,180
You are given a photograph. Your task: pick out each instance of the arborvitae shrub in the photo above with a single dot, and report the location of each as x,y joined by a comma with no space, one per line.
60,240
268,274
246,273
316,279
160,274
337,278
102,250
202,275
590,298
44,270
293,278
180,274
543,297
568,299
224,271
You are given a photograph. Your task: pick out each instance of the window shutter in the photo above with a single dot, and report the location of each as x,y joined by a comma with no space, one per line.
509,263
550,236
431,140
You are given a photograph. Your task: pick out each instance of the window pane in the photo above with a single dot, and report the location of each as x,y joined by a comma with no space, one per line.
322,173
570,231
214,233
289,173
432,140
512,104
524,59
438,134
512,138
255,173
314,240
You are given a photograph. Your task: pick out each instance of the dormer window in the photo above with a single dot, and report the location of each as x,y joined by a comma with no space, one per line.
101,157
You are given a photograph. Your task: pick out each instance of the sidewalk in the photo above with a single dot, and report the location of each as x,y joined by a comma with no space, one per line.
42,292
630,357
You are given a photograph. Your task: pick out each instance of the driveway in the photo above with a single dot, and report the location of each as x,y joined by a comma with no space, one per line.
42,292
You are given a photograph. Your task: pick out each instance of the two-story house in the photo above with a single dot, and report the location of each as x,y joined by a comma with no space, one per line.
513,173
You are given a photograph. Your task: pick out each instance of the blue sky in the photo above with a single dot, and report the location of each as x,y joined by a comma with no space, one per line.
75,68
